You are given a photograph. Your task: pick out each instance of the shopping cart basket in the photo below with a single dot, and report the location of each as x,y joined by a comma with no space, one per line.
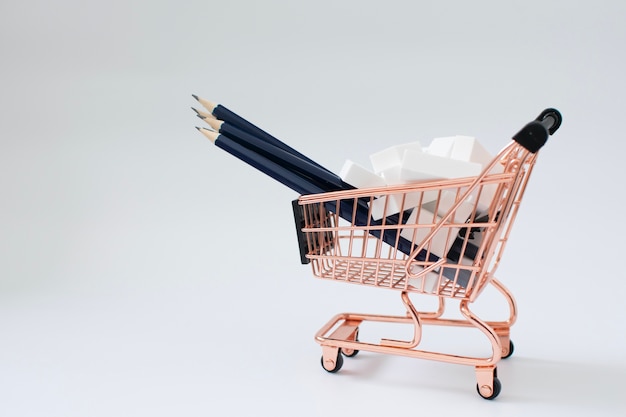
442,238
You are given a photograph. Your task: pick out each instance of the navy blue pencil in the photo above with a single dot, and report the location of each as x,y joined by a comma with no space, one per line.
303,185
296,181
222,113
329,182
302,168
280,173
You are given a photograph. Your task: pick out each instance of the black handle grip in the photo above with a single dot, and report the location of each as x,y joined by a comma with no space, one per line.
535,134
550,119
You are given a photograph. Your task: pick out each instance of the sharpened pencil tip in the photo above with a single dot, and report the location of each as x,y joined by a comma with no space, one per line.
209,105
202,114
214,123
209,134
195,96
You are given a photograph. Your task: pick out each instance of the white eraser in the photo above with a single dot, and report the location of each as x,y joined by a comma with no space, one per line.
358,176
396,175
392,175
442,240
467,148
420,166
446,201
392,156
441,146
394,203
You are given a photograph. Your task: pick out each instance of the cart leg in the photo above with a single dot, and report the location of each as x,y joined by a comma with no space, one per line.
505,340
488,385
491,334
503,328
510,300
417,326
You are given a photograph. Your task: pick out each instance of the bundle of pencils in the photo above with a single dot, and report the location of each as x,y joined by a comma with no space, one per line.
263,151
269,155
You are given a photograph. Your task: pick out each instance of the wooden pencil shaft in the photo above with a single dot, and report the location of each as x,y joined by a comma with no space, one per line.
267,166
298,181
328,181
223,113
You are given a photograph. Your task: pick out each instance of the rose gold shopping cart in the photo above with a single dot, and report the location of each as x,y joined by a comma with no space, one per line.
441,238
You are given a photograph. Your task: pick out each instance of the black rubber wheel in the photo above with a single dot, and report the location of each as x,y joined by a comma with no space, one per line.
338,363
497,387
349,353
511,349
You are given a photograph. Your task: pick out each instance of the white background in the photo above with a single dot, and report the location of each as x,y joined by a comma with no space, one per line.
145,272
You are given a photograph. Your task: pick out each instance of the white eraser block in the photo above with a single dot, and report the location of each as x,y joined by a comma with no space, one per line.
360,177
441,146
442,240
446,201
392,175
467,148
395,176
391,204
392,156
385,206
420,166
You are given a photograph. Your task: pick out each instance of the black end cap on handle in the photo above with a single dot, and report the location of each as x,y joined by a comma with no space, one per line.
551,119
535,134
532,136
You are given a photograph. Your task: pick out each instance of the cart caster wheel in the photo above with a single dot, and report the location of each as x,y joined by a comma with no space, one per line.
511,349
333,366
489,394
349,353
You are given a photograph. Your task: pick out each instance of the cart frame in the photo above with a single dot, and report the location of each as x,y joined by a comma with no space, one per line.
410,250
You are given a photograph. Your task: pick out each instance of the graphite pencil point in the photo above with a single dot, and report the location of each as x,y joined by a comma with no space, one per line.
203,114
211,135
209,105
195,96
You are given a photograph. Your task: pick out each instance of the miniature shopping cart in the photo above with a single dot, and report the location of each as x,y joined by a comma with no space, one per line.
442,238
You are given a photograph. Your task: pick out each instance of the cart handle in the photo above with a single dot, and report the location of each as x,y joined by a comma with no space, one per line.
535,134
